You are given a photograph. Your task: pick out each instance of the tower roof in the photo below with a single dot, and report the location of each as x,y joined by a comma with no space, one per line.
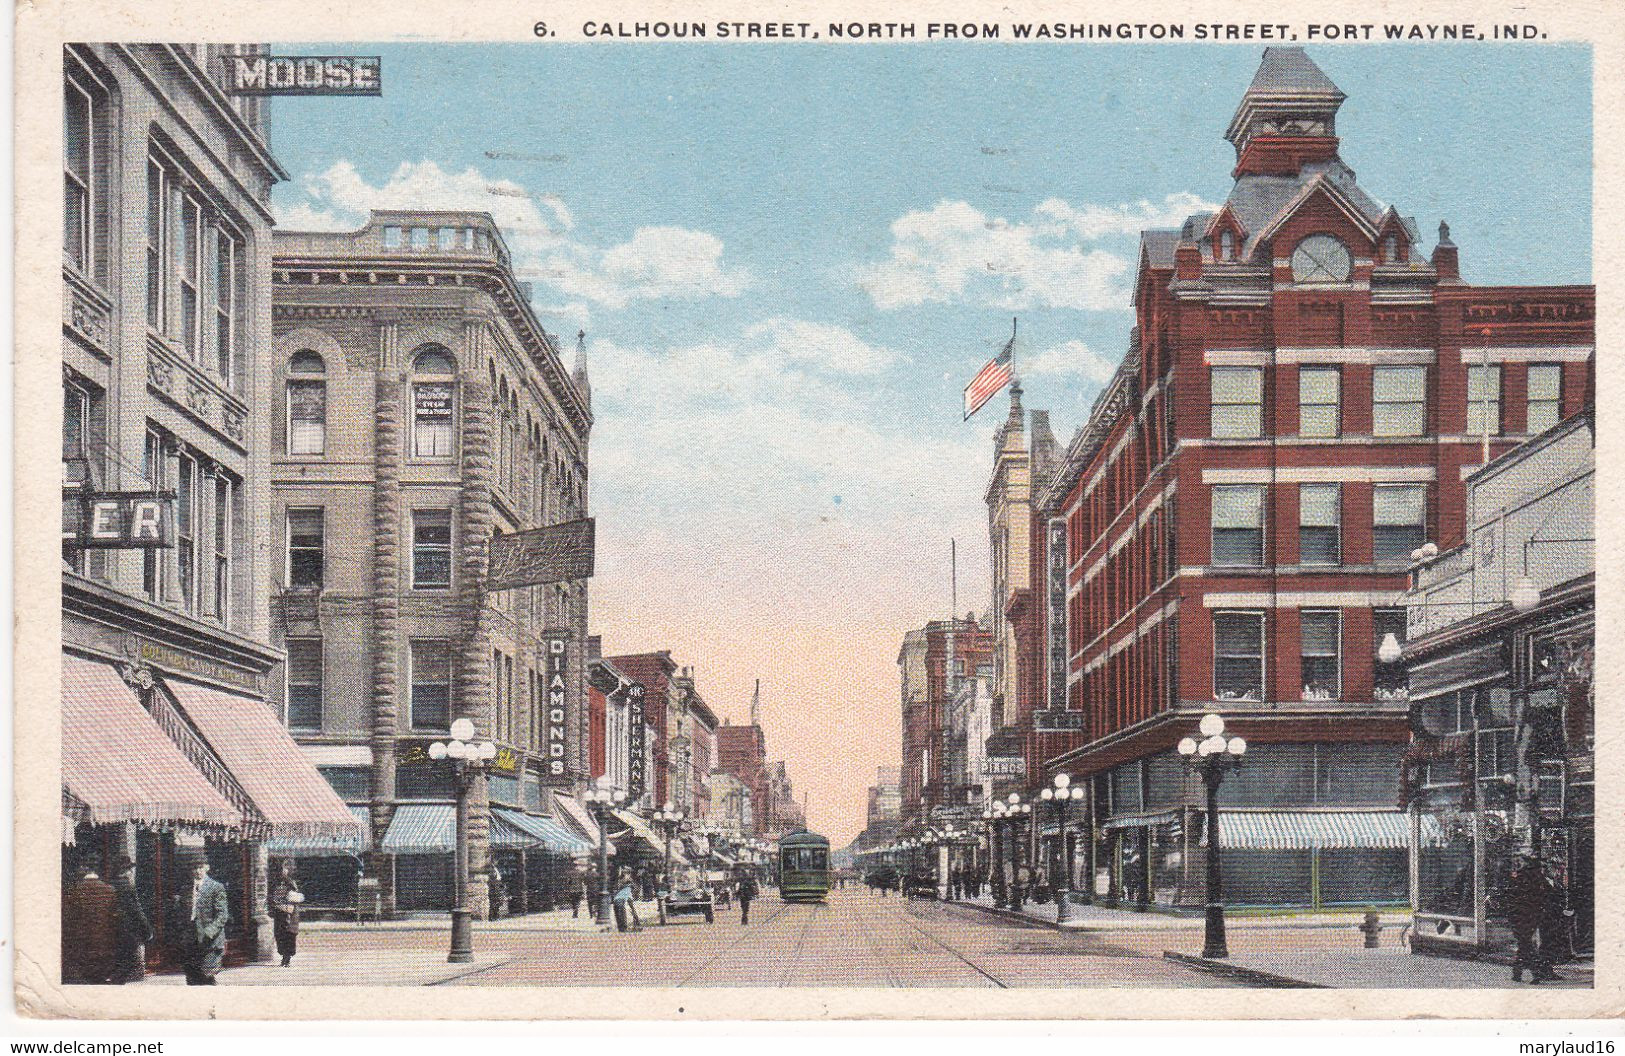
1290,70
1289,85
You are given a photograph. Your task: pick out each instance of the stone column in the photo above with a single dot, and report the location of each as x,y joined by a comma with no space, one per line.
472,695
386,602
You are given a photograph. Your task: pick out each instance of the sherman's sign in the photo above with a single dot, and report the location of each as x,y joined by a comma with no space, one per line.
304,74
100,520
635,776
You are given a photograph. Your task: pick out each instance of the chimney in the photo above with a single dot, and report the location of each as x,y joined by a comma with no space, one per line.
1445,259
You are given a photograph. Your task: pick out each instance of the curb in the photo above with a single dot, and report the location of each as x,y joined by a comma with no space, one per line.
1250,975
1013,916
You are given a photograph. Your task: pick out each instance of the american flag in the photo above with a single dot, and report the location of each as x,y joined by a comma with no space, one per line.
990,379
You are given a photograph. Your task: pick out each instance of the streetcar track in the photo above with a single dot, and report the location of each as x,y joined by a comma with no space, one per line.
800,944
978,969
748,935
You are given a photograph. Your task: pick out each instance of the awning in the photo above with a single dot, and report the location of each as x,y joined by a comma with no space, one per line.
1135,821
421,828
118,766
327,846
578,816
1457,670
647,836
1257,830
296,801
512,830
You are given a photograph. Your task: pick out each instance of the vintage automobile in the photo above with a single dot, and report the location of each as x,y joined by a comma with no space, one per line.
690,897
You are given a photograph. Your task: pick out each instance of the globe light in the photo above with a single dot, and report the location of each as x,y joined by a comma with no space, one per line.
437,751
488,750
1236,747
1062,780
1205,749
456,750
1525,595
1390,650
1015,797
463,729
1212,725
1187,746
1077,792
1048,793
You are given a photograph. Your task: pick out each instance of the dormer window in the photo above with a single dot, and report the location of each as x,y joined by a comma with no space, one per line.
1227,246
1390,249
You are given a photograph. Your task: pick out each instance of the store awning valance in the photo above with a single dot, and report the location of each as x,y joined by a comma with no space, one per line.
1136,821
1457,670
646,836
327,846
578,816
295,800
421,828
1261,830
118,766
512,830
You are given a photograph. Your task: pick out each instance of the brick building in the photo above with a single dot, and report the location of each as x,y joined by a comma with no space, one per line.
419,410
928,685
664,696
1304,392
742,752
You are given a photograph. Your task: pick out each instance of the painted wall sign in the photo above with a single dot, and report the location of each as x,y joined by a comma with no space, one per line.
171,659
304,75
101,520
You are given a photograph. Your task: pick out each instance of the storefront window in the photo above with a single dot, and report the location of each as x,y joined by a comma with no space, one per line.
1445,874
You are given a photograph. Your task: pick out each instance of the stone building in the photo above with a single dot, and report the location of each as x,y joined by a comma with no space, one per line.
420,410
168,654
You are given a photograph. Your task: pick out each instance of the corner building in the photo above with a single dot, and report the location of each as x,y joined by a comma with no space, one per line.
1305,390
420,410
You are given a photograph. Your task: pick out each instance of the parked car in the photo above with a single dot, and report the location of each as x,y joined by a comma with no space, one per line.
689,897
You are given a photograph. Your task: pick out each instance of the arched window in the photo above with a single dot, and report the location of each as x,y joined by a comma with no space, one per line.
307,404
434,394
1390,250
1227,246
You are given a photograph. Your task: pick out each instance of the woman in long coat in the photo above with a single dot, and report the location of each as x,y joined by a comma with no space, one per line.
285,900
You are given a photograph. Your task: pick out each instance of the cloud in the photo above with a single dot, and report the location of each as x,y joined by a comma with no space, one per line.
657,263
953,252
1068,359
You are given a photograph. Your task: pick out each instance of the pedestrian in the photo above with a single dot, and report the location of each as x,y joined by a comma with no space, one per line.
89,930
626,906
199,912
746,890
134,929
1024,880
1556,927
578,891
1525,901
286,898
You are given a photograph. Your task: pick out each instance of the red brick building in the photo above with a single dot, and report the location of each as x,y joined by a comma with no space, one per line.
657,672
928,686
1303,393
742,752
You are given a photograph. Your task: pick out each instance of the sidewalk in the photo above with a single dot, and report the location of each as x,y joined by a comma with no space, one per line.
338,966
1326,959
1085,917
553,920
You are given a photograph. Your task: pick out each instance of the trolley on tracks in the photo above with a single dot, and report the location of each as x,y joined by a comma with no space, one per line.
803,867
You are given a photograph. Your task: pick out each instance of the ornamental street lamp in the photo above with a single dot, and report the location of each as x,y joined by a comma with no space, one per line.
1061,795
999,814
667,819
1213,756
601,800
1017,812
468,762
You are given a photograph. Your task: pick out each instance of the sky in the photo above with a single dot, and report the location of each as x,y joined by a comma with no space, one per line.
789,260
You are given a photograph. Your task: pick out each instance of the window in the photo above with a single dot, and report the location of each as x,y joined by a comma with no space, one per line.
76,417
1398,401
432,405
1227,246
392,238
77,207
1483,400
224,495
1545,397
1390,249
307,405
305,683
1387,679
1238,525
1238,401
1320,509
154,467
1319,401
189,268
227,265
431,549
1319,637
157,243
1238,656
431,684
305,547
1399,521
187,518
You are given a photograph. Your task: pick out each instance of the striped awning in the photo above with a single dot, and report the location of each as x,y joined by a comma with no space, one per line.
296,801
652,840
578,816
421,828
513,830
327,846
1136,821
1261,830
119,766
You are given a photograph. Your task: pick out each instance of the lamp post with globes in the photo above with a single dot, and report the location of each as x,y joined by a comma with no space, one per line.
1061,795
1018,812
601,800
1213,757
997,814
468,762
667,819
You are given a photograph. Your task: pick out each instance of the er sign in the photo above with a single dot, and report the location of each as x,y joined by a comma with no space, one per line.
112,520
305,74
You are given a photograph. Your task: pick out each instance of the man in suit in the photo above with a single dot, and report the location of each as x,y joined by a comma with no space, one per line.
89,930
201,911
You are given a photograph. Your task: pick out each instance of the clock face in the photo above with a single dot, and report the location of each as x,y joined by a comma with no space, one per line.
1321,258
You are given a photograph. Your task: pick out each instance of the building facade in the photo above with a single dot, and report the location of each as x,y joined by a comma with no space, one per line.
1304,392
1501,663
932,663
419,411
742,752
167,647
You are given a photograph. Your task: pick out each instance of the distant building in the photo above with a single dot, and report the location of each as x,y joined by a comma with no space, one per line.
932,662
742,752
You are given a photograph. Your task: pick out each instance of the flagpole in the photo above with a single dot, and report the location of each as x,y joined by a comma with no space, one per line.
1014,377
